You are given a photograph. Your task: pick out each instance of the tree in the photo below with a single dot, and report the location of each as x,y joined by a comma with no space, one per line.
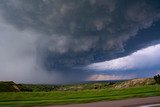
157,78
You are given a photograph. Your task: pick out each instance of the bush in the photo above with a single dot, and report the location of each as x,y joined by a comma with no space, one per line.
157,78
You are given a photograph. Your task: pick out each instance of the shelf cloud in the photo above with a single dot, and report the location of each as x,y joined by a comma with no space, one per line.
45,40
141,59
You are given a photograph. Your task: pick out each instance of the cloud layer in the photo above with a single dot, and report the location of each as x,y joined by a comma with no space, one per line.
142,63
49,38
141,59
82,25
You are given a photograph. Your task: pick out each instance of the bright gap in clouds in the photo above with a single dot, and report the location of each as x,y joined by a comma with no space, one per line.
142,59
101,77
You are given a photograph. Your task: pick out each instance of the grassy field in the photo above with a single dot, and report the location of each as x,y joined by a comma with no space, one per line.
81,96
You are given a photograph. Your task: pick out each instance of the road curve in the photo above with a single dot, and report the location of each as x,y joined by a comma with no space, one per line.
134,102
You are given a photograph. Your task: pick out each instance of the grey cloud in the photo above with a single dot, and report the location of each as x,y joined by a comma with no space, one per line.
18,56
110,21
63,44
22,61
72,32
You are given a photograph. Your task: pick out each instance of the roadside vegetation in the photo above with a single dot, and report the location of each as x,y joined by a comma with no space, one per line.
30,95
157,78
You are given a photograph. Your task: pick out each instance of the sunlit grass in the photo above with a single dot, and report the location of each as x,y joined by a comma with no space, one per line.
65,97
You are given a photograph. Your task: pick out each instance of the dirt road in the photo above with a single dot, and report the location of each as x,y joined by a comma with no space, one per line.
135,102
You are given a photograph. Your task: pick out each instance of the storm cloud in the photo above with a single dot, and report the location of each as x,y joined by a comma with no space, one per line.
59,35
141,59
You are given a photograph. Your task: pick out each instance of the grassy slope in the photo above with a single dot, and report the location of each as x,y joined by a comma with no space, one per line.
8,86
65,97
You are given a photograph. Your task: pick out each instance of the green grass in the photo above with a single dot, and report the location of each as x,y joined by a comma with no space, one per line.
66,97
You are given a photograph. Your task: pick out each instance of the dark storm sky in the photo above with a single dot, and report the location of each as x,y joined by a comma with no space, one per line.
65,41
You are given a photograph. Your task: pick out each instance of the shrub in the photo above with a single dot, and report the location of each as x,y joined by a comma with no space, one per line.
157,78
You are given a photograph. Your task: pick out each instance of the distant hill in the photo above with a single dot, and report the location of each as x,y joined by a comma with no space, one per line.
8,86
135,82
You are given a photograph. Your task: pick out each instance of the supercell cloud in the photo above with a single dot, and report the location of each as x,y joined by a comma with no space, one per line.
50,41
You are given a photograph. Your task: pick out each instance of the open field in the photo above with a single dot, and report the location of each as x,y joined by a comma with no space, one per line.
81,96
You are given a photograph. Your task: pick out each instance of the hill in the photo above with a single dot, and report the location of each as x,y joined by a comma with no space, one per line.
135,82
8,86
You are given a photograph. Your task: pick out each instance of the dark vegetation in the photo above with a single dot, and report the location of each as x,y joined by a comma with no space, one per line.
8,86
157,78
75,87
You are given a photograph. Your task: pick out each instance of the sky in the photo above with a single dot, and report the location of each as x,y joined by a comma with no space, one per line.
71,41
